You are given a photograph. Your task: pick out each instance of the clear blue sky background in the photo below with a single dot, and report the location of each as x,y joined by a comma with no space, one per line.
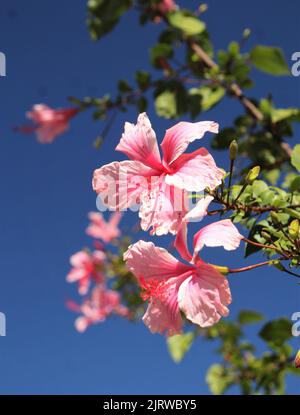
46,194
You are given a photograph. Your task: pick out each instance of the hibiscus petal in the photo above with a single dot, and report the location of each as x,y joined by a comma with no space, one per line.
178,137
100,229
162,208
145,260
181,243
199,211
222,233
80,259
204,296
82,323
195,172
114,219
120,184
41,113
160,319
47,132
139,142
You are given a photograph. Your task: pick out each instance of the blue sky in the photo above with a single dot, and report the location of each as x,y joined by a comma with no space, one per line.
46,194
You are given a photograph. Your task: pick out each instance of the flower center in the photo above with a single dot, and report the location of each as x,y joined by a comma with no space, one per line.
152,289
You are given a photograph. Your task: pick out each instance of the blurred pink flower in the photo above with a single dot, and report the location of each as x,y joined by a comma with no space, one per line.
160,186
100,229
86,266
48,122
197,289
166,6
101,304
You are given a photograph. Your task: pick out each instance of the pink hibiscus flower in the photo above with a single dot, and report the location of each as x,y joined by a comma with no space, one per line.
160,186
85,268
197,289
102,303
49,123
100,229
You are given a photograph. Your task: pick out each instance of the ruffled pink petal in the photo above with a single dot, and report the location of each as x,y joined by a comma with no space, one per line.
120,184
162,208
160,318
147,261
199,211
222,233
204,296
195,172
139,142
178,137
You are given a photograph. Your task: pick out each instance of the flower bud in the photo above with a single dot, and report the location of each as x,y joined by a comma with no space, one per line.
294,229
233,149
252,174
297,359
203,7
274,217
266,235
246,33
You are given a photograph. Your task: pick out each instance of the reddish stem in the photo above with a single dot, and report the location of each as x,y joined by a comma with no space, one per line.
249,267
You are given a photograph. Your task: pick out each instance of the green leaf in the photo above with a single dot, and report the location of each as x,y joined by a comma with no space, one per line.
295,185
160,51
142,104
179,345
165,104
288,114
276,332
104,15
259,187
208,96
295,158
124,86
269,59
187,23
142,78
250,248
218,379
272,175
249,317
288,180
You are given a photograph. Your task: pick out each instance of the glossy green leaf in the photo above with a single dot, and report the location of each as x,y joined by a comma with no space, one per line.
218,379
269,59
276,332
208,96
103,15
295,158
188,24
165,104
179,345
